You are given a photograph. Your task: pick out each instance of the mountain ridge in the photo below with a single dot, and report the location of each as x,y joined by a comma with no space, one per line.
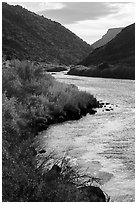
121,45
26,35
116,59
110,34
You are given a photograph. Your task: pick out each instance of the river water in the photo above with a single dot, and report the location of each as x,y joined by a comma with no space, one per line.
101,145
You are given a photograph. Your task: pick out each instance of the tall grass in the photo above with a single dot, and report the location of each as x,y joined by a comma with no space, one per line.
32,100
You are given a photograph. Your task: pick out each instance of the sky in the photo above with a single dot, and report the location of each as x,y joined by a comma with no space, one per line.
89,20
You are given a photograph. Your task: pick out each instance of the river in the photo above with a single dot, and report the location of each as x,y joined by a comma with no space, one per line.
101,145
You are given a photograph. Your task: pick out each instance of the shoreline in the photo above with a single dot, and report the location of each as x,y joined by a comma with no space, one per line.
32,101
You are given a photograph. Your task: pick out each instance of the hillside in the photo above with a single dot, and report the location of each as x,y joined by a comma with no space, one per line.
116,59
26,35
121,49
111,33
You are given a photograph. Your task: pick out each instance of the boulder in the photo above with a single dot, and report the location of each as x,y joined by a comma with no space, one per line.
42,151
92,112
95,194
53,173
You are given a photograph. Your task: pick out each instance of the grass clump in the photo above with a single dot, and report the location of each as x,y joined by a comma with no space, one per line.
32,100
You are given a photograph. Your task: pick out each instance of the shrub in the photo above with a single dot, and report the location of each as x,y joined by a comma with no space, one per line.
32,100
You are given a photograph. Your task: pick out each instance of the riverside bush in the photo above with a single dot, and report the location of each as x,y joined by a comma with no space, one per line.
32,100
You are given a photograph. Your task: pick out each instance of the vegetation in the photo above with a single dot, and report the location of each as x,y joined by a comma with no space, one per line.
32,100
26,35
119,71
54,67
119,53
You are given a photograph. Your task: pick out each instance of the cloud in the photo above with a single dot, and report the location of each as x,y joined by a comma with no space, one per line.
73,12
39,6
92,30
88,20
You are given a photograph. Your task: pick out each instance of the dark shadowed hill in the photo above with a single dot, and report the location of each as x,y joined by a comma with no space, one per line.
111,33
116,59
26,35
121,49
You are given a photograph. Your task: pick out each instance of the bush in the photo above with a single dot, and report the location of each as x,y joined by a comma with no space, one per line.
32,100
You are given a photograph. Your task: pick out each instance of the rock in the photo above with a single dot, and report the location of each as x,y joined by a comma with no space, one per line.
92,111
56,168
42,151
53,173
107,109
95,194
101,105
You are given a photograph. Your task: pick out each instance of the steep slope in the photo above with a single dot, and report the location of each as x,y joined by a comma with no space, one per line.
26,35
111,33
116,59
121,49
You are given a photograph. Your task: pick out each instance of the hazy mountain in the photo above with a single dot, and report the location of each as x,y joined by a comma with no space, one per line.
116,59
26,35
111,33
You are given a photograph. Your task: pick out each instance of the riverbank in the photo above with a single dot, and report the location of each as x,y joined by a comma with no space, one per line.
104,70
102,144
32,100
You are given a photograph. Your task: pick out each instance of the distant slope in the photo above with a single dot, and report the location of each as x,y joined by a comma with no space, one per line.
116,59
26,35
121,49
111,33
